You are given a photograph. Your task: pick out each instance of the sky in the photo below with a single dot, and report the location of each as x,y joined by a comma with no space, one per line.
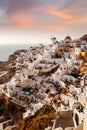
36,21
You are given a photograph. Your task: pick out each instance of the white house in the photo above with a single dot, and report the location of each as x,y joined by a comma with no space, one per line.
53,39
77,50
28,113
78,114
84,47
64,68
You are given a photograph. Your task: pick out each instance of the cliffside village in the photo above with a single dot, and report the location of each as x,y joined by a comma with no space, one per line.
55,75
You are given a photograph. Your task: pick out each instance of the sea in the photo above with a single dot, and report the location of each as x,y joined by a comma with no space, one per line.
8,49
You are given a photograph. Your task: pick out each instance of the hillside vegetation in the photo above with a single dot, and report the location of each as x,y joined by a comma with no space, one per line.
41,120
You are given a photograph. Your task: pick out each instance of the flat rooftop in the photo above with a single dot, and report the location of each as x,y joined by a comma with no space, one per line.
64,120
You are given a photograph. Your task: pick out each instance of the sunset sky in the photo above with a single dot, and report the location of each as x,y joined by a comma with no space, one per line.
35,21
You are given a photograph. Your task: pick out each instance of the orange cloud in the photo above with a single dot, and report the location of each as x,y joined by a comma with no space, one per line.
80,19
21,20
61,14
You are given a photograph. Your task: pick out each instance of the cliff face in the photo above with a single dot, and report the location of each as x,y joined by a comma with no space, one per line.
7,76
10,110
4,66
40,121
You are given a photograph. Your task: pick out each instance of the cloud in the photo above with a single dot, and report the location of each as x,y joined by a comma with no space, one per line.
60,14
21,5
47,14
76,5
22,12
77,8
21,20
71,11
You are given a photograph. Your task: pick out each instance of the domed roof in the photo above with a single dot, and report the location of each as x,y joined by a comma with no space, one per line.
84,37
68,37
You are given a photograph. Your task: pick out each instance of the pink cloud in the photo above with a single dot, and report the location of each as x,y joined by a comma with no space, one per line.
20,19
